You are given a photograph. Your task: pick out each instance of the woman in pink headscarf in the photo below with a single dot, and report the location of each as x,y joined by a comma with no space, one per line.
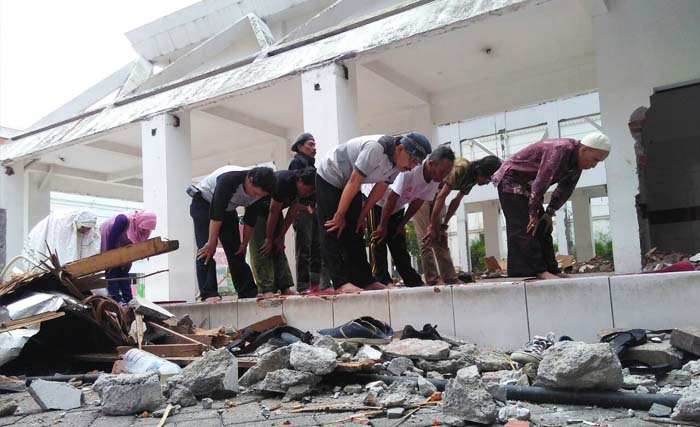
121,230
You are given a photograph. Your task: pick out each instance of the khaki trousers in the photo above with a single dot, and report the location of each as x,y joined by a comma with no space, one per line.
435,257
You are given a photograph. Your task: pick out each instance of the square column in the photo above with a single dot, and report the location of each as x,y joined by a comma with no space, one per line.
37,198
330,105
167,171
493,227
13,234
583,227
562,241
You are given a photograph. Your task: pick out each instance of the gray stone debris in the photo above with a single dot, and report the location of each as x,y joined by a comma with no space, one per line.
399,365
207,403
317,360
7,407
425,387
272,361
128,394
345,357
215,374
264,349
631,382
371,399
676,378
412,374
393,413
433,375
12,386
580,366
352,389
55,395
513,412
652,354
415,348
349,347
466,398
488,360
660,411
688,407
367,352
182,396
493,381
399,393
693,367
449,366
297,392
530,369
324,341
281,380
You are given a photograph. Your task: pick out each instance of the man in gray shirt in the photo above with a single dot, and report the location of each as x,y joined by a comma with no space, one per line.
367,159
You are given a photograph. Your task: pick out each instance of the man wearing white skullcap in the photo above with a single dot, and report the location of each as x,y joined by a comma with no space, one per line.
522,182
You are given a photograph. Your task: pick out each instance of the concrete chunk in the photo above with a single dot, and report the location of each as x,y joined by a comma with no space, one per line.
215,374
393,413
414,348
55,395
400,365
653,354
272,361
317,360
687,339
281,380
466,398
688,406
128,394
7,407
182,396
580,366
660,411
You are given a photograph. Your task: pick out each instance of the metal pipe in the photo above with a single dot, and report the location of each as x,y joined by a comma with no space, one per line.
604,399
87,378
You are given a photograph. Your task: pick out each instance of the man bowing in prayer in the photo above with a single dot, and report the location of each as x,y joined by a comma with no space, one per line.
522,182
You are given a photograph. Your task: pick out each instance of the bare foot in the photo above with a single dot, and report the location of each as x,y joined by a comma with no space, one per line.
348,288
289,291
546,276
213,300
437,283
457,283
266,295
375,286
564,276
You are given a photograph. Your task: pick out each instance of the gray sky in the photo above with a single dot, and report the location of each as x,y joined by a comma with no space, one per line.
51,50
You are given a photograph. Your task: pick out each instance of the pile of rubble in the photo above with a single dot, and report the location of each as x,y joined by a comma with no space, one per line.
657,259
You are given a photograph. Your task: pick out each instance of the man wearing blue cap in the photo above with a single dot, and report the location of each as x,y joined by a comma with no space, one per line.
366,159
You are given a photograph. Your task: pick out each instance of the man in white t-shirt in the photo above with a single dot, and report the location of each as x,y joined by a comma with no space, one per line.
387,219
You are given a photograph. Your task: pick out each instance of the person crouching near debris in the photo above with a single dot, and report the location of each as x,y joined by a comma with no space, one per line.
340,174
431,225
267,257
522,182
122,230
70,234
213,211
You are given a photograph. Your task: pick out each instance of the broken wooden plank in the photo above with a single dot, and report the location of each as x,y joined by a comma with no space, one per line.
120,256
687,339
354,366
168,350
28,321
184,338
268,323
139,329
90,282
176,339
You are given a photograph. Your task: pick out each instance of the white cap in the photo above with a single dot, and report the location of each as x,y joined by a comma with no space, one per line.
596,140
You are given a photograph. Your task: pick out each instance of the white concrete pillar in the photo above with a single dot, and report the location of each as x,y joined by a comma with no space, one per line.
423,123
561,231
583,227
37,199
12,200
330,105
636,50
491,211
167,171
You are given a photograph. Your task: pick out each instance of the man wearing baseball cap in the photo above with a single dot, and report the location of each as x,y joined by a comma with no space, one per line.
522,182
374,159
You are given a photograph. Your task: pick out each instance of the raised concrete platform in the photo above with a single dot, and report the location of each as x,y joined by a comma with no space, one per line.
504,314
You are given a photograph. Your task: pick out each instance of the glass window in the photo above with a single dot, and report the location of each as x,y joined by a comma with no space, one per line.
520,138
577,128
471,150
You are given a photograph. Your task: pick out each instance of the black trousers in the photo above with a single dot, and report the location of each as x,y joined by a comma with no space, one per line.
527,254
307,243
230,238
344,257
397,246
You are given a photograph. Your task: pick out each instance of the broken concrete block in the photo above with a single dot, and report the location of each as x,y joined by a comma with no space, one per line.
281,380
676,378
207,403
688,406
215,374
11,385
393,413
580,366
631,382
349,347
324,341
182,396
425,387
149,309
129,394
693,367
488,360
371,399
414,348
297,392
368,352
653,353
160,412
399,365
449,366
466,398
513,412
55,395
687,339
272,361
660,411
352,389
317,360
7,407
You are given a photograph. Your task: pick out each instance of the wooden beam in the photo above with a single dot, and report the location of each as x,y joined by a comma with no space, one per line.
178,339
168,350
268,323
183,338
28,321
120,256
243,119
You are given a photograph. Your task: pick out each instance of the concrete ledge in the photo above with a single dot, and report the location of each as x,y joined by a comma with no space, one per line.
418,306
251,311
308,313
199,312
656,301
223,314
491,314
576,307
352,306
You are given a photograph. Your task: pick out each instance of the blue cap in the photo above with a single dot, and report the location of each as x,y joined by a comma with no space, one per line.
416,145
